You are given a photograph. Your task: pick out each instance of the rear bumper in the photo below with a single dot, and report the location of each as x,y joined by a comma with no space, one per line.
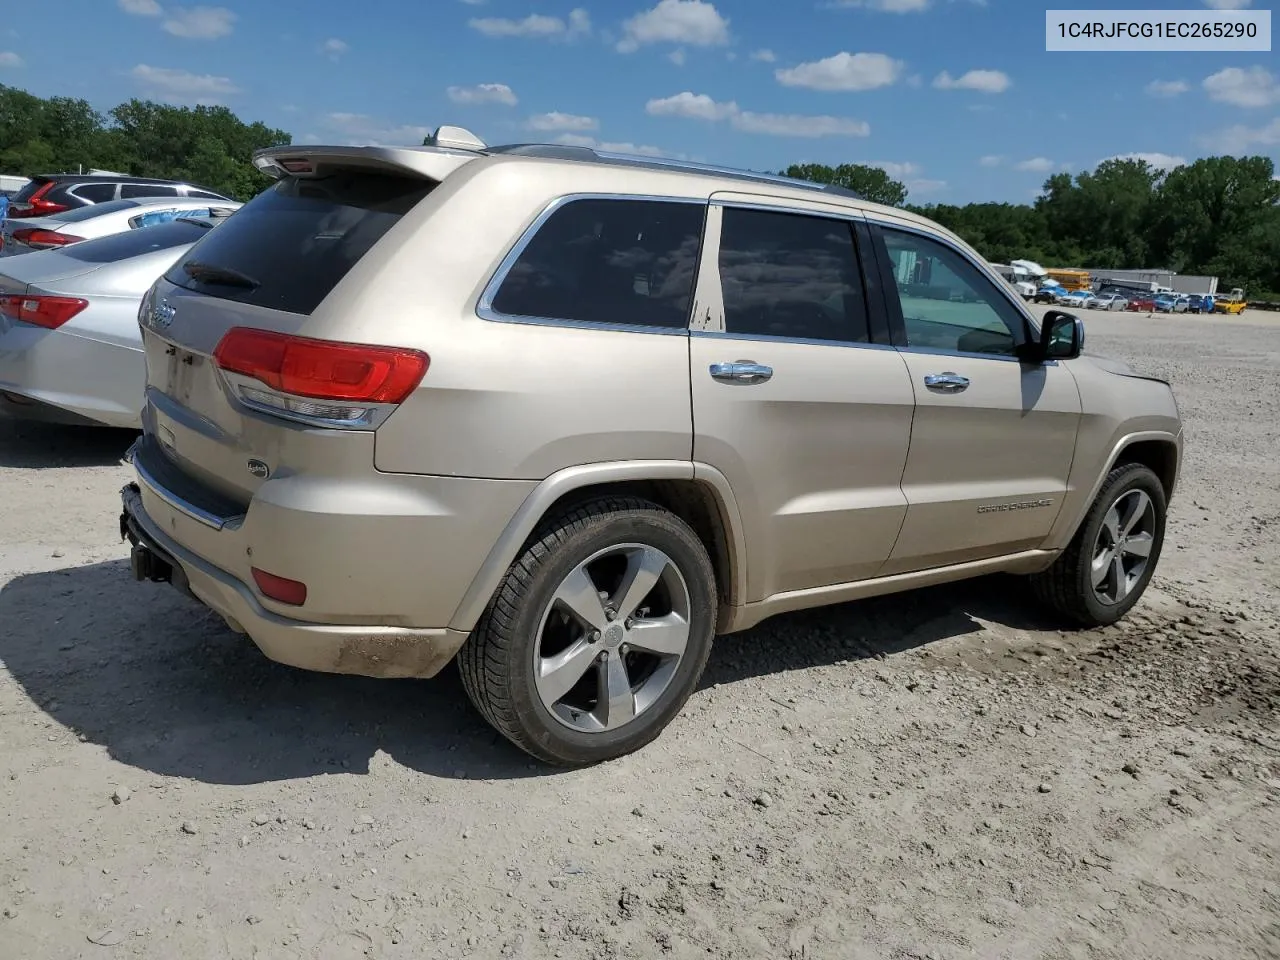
372,651
87,378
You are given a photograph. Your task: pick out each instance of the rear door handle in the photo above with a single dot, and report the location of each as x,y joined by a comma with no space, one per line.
946,382
741,372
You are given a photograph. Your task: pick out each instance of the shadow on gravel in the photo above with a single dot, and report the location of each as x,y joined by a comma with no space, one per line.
27,445
166,687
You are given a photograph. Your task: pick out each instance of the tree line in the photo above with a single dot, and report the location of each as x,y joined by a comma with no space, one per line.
1218,216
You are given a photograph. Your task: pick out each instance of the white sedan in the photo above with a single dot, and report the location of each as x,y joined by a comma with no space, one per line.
1110,301
101,220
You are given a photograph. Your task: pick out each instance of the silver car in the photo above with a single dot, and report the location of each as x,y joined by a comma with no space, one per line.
100,220
70,347
1110,301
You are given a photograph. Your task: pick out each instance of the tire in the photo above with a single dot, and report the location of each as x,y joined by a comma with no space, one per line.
1067,587
508,662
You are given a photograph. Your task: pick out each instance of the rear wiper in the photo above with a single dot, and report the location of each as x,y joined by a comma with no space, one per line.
197,221
223,276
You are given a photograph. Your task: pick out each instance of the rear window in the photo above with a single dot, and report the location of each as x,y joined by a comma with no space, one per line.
25,194
80,214
291,245
135,243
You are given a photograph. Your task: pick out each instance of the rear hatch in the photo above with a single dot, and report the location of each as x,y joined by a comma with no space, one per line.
240,384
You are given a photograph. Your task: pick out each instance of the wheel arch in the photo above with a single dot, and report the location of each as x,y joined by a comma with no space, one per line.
1158,450
698,494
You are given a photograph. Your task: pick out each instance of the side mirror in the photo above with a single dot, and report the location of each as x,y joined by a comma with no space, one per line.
1061,337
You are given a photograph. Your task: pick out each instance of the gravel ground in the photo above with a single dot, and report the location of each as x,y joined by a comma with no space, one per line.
936,775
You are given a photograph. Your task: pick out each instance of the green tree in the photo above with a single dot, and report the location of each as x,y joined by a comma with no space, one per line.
870,182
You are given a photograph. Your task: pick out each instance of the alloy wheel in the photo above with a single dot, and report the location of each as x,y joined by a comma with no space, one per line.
1123,547
612,638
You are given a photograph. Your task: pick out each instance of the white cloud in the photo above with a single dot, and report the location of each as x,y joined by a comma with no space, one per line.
360,129
1240,139
10,59
984,81
535,25
642,150
692,22
925,185
333,48
1035,165
691,106
141,8
555,120
179,86
483,93
200,23
887,6
1228,4
699,106
1252,87
844,71
1167,88
899,171
1161,161
677,57
764,56
991,160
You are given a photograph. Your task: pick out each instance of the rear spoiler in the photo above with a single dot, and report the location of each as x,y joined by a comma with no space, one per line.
446,150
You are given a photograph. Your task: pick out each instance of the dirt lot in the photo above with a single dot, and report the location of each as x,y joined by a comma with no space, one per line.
937,775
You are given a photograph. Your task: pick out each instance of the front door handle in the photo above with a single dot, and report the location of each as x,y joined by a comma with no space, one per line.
946,382
741,372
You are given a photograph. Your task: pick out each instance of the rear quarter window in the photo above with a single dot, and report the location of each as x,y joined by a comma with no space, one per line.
296,241
94,192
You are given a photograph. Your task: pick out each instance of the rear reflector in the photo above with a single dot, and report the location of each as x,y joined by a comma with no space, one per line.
47,312
322,369
280,589
44,239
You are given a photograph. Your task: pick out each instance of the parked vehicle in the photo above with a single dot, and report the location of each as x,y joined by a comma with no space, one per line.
1168,303
101,220
70,345
1048,294
1110,301
1076,299
1143,304
1233,305
56,193
1200,303
575,413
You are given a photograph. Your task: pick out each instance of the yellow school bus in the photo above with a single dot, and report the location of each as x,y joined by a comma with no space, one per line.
1071,279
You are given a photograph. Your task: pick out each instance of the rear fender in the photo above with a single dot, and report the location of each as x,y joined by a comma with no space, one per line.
535,507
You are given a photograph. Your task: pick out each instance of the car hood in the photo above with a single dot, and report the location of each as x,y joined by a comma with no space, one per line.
1118,367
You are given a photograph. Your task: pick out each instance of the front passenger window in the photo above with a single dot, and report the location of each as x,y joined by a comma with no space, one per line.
947,304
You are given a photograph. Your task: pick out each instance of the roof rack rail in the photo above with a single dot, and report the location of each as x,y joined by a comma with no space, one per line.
555,151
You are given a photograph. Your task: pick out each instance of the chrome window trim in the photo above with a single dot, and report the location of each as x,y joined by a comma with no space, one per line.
484,306
1032,328
785,206
804,341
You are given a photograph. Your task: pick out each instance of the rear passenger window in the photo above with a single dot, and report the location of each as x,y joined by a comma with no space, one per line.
95,192
790,275
131,190
608,261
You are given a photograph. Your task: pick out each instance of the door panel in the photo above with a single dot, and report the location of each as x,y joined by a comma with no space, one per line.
993,437
809,420
988,466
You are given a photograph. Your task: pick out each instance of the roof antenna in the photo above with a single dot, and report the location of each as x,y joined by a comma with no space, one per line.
457,137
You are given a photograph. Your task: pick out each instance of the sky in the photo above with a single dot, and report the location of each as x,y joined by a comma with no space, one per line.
956,98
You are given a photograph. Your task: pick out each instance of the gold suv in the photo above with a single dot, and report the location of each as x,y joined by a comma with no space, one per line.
566,415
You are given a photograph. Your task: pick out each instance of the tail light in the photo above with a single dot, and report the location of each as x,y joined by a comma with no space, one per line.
292,592
44,239
37,206
47,312
322,380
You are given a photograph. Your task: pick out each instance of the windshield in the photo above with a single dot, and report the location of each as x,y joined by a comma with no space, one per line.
135,243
